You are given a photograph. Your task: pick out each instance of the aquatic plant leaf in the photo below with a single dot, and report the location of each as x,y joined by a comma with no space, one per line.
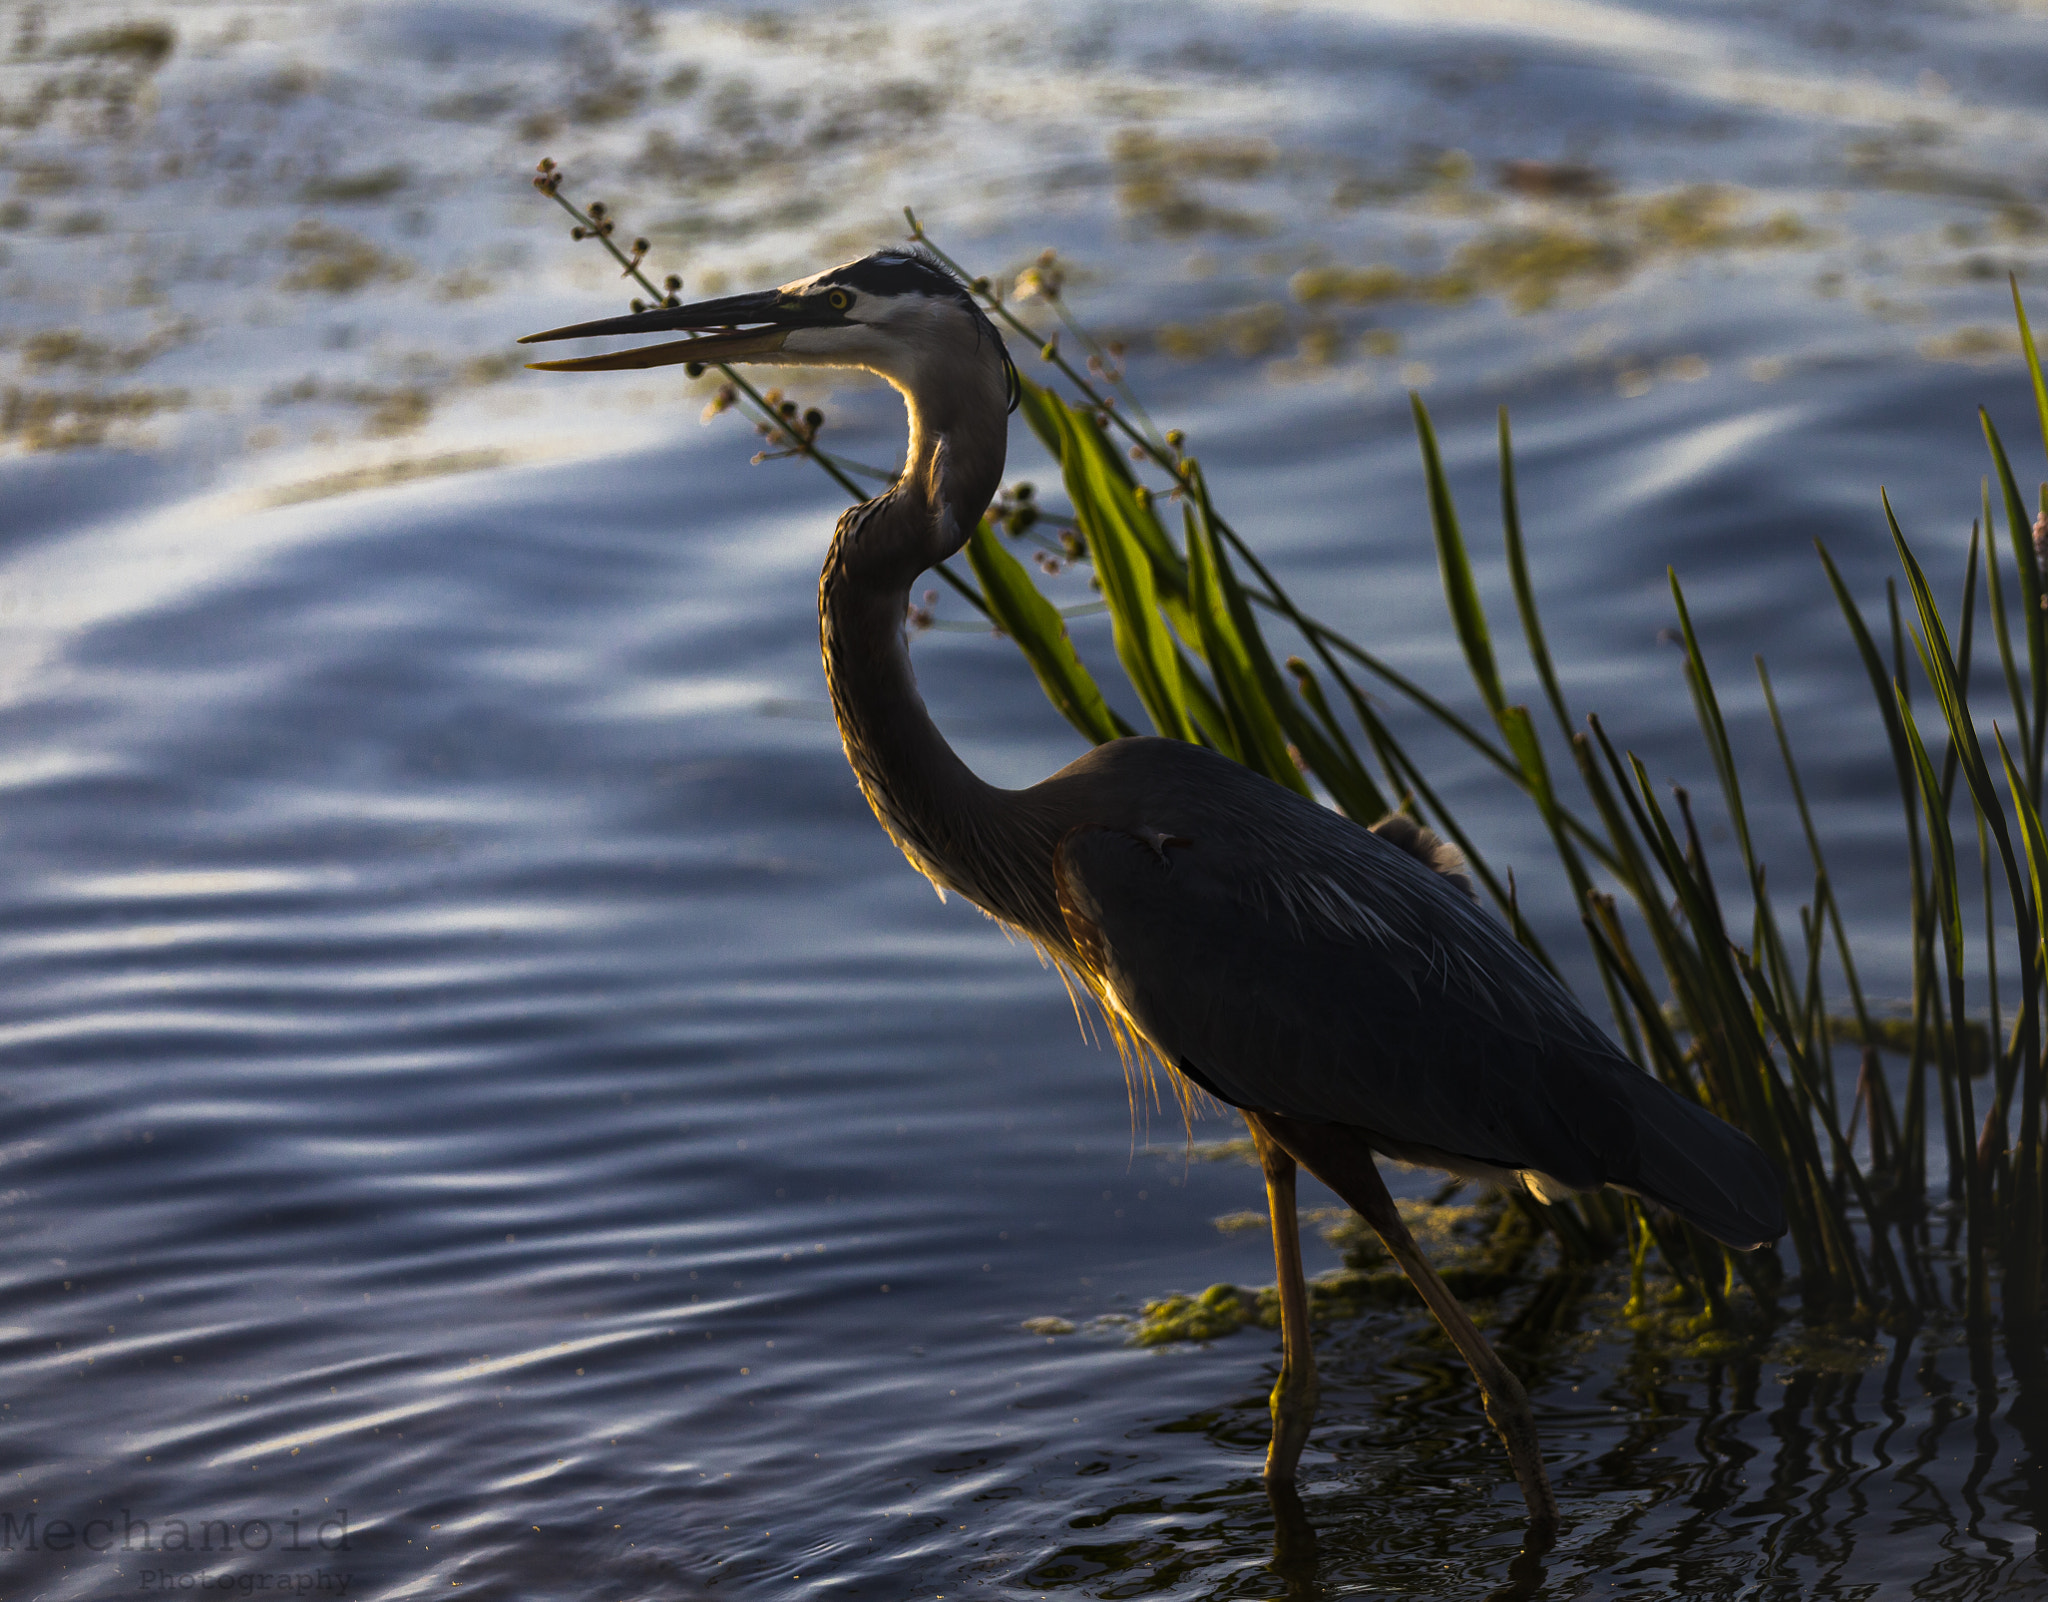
1150,657
1460,591
1029,619
1246,701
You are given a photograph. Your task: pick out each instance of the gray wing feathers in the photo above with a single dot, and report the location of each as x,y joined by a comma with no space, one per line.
1335,977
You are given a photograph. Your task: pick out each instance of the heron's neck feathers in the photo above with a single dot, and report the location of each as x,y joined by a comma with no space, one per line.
959,434
961,833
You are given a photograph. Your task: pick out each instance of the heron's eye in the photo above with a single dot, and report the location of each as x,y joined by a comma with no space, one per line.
839,300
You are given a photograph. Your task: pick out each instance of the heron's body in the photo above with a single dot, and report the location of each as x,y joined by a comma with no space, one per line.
1342,989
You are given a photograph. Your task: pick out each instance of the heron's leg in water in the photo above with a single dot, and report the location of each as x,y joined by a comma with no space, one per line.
1294,1397
1349,1170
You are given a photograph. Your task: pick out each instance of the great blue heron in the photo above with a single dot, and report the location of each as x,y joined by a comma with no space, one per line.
1338,985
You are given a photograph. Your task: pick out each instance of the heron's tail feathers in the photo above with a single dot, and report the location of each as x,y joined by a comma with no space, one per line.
1708,1172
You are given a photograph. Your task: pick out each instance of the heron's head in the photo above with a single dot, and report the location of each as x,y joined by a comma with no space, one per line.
898,313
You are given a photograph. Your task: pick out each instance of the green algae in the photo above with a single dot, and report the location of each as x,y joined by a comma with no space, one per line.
356,188
332,261
1252,331
1218,1311
1155,177
1533,263
62,420
1530,267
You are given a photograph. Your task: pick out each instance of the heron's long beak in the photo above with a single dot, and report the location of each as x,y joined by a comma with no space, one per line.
772,317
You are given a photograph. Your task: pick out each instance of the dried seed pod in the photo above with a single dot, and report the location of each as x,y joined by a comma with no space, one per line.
597,208
641,247
579,232
672,283
639,305
814,419
693,369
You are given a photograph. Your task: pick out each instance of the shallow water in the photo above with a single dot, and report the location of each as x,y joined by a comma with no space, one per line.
482,1096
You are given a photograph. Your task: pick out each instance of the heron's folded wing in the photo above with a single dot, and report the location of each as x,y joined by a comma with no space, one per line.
1387,1027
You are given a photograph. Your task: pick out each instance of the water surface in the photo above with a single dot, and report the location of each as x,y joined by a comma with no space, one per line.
485,1105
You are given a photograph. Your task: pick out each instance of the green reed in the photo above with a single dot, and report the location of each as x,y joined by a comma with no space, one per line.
1735,1006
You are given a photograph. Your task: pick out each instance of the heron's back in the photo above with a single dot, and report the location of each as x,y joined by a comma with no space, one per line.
1289,960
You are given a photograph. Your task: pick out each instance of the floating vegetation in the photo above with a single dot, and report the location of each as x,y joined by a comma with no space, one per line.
64,420
386,475
1241,1149
1047,1326
398,412
1482,1249
1252,331
1154,174
50,348
148,44
1441,179
332,261
462,283
1218,1311
1350,286
46,177
1531,265
1555,180
1972,343
357,187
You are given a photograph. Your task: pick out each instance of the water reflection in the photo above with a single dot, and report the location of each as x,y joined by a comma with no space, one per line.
1901,1477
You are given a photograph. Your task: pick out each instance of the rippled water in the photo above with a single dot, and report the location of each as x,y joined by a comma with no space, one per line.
485,1107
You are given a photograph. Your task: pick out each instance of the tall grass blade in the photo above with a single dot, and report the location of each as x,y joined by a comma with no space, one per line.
2020,531
2019,311
2001,627
1525,589
1246,702
1034,623
1460,591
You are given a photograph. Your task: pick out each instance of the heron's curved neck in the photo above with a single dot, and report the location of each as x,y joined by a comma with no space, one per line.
962,833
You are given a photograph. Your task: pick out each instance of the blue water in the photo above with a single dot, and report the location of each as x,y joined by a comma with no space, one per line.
483,1098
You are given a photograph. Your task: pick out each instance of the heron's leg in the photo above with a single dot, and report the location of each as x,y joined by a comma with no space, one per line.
1340,1159
1294,1397
1507,1404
